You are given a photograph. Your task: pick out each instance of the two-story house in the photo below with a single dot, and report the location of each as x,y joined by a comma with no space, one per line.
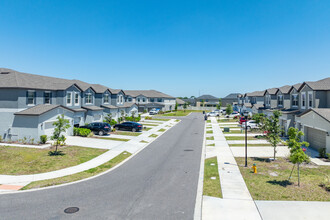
207,101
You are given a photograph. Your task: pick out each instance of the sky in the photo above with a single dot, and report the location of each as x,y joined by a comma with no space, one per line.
182,48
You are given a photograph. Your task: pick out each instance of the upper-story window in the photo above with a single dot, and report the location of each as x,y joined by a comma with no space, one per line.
31,97
129,99
303,100
69,98
47,97
254,99
159,100
280,100
138,99
143,99
294,100
106,98
88,98
76,98
120,99
267,99
152,99
310,99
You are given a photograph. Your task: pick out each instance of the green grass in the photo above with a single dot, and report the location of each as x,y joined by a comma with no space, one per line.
209,132
150,124
233,132
153,135
114,139
160,119
21,161
143,141
237,138
147,129
208,121
264,186
162,130
249,145
178,113
127,133
228,120
212,145
78,176
210,138
211,187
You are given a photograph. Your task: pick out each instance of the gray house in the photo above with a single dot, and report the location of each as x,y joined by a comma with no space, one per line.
29,104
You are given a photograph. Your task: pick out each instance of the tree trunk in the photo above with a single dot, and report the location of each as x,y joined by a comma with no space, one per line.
298,175
291,171
274,153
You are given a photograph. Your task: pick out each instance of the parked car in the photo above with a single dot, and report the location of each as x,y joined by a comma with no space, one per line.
232,115
154,111
129,126
218,111
100,128
241,120
212,114
250,125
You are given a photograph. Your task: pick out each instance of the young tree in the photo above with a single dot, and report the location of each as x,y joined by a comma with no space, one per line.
203,103
220,103
185,106
229,109
108,118
61,125
273,130
176,106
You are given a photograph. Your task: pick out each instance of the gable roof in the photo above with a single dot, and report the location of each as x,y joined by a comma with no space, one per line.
295,86
323,84
98,88
179,101
256,93
147,93
40,109
232,96
284,89
116,91
258,106
323,112
207,97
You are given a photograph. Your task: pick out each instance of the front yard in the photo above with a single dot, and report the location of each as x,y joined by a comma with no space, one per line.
271,181
20,161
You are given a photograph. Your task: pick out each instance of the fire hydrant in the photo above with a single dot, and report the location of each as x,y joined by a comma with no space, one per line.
254,168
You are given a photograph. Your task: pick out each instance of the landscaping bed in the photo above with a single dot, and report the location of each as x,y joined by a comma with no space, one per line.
239,138
127,133
78,176
22,161
271,181
211,187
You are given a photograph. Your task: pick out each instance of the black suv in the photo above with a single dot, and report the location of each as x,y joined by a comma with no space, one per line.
129,126
99,128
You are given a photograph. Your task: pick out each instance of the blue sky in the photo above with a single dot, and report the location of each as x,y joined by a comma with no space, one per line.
182,48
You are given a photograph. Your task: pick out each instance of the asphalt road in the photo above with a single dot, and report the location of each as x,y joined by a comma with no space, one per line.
158,183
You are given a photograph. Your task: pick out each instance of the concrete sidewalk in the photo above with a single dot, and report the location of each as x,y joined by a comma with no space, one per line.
131,146
237,202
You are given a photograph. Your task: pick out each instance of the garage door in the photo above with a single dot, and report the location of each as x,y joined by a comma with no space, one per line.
316,138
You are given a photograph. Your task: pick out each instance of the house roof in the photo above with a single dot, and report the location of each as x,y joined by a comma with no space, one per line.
232,96
323,84
272,91
285,89
147,93
98,88
207,97
127,105
256,93
92,108
116,91
248,105
109,106
40,109
258,106
295,86
179,101
323,112
78,109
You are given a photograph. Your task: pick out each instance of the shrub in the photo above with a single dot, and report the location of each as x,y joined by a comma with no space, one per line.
113,122
145,111
83,132
322,152
43,139
148,118
1,138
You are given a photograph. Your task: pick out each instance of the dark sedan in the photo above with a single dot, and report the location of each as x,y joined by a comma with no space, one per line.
129,126
100,128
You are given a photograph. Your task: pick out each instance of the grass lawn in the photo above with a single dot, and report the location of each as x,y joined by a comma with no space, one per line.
210,138
237,138
78,176
162,130
212,145
147,129
160,119
127,133
143,141
264,186
209,132
208,121
233,132
20,161
177,120
228,120
153,135
150,124
249,145
114,139
211,187
178,113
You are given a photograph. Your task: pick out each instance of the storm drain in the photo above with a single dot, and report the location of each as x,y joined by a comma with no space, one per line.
188,150
71,210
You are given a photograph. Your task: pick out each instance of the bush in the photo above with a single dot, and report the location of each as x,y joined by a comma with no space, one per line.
322,152
113,122
83,132
43,139
148,118
145,111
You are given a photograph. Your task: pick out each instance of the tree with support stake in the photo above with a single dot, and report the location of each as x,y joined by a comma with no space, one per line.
297,154
61,125
273,130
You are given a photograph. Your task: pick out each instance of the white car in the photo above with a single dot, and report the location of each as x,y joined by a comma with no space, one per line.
212,114
232,115
250,125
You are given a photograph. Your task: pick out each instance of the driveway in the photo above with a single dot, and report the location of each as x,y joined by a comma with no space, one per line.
158,183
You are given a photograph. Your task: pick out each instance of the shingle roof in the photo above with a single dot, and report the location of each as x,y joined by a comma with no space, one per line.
78,109
248,105
116,91
285,89
207,97
297,86
40,109
323,84
109,106
99,88
323,112
179,101
258,106
127,105
92,108
232,96
147,93
272,91
256,93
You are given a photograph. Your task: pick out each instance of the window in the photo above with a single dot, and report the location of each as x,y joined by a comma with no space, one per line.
310,99
159,100
144,100
303,100
121,99
31,97
138,99
152,99
88,98
294,100
106,98
76,98
47,97
69,98
280,100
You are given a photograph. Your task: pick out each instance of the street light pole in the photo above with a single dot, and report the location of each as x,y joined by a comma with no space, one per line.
245,115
